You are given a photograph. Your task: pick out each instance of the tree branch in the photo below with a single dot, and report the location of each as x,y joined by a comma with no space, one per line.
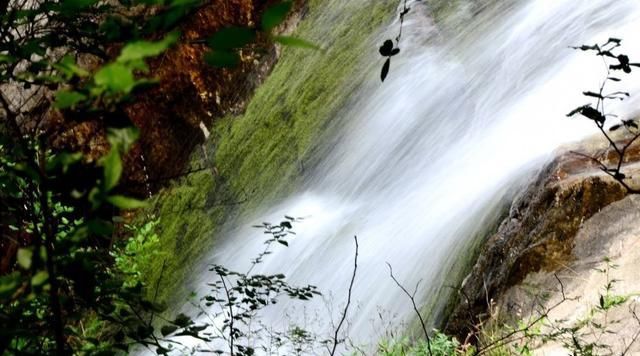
346,307
412,297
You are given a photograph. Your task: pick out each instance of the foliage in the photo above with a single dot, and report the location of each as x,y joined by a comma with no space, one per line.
59,208
584,336
225,43
43,40
263,154
441,345
61,272
230,308
137,251
600,117
240,296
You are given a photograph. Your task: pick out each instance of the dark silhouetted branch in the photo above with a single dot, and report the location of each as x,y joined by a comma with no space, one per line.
336,340
509,337
412,297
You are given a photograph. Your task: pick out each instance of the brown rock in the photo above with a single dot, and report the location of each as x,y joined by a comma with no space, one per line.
539,233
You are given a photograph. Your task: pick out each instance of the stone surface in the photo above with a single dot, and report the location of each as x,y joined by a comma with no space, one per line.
613,234
191,92
540,234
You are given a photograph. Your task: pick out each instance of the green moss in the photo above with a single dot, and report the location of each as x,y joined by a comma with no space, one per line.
259,156
264,151
188,215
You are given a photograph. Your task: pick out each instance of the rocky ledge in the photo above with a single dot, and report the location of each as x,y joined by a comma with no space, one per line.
568,220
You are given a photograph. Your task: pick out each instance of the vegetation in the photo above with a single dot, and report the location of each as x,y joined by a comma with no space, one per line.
441,345
60,209
265,153
601,117
85,280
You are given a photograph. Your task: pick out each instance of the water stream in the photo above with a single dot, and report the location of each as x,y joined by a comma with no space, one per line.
427,159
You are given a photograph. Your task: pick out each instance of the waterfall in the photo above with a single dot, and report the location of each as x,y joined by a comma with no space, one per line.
425,160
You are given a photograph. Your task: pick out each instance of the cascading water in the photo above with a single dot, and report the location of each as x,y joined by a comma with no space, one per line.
426,159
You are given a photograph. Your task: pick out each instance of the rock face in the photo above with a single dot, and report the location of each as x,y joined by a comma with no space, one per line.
541,232
191,93
613,234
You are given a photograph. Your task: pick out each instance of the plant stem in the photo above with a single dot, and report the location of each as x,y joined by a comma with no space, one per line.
49,243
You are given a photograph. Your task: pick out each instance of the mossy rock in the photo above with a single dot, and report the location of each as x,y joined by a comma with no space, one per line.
262,155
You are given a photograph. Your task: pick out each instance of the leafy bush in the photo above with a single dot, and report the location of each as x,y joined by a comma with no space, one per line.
614,63
137,251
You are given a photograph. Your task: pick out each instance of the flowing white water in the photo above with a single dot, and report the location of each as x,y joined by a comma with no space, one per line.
428,157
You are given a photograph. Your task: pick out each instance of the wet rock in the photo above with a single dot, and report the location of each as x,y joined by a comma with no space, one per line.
539,235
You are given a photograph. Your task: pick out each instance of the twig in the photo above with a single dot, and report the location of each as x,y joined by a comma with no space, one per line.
405,10
636,335
226,290
599,118
412,297
346,307
461,291
564,297
155,294
49,230
506,339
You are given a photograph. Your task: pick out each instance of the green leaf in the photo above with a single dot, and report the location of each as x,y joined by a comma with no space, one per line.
295,42
100,227
67,65
39,278
112,169
385,69
27,171
231,37
9,284
275,15
116,78
168,330
64,160
24,257
123,202
32,46
68,99
222,59
142,49
80,233
182,320
6,58
123,138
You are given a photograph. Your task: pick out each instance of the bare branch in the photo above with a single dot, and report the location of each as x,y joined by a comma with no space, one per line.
346,307
509,337
412,297
635,337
